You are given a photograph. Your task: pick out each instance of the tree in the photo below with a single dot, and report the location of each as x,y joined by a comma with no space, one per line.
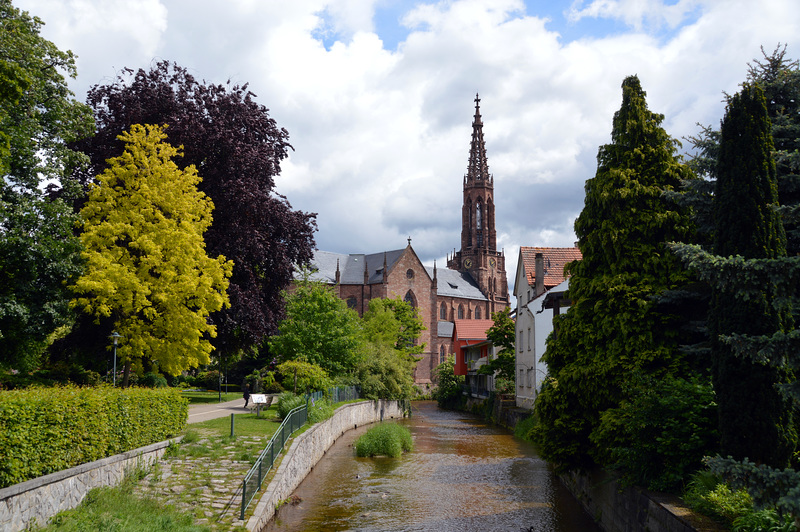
502,334
448,384
146,263
755,420
318,329
391,331
237,148
615,328
38,252
395,323
779,78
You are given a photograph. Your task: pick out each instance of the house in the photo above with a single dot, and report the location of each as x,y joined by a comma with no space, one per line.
540,289
472,350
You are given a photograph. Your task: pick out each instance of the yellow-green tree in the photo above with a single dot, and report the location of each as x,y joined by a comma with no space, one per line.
146,262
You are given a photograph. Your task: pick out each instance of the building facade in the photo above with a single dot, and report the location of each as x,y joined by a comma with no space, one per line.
540,288
472,287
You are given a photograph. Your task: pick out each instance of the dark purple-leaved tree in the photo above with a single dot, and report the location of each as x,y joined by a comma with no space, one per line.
237,150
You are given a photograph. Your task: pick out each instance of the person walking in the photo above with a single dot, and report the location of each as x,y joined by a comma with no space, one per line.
246,394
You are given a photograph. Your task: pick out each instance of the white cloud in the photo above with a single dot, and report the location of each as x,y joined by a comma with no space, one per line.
382,136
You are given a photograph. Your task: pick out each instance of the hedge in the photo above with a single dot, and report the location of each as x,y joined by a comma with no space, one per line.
44,430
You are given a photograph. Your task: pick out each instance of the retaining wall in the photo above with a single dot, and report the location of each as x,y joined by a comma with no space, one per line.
308,448
618,509
35,501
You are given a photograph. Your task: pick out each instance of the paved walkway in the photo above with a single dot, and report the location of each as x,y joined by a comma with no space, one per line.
204,412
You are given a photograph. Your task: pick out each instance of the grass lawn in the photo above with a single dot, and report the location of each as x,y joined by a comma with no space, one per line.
196,398
112,509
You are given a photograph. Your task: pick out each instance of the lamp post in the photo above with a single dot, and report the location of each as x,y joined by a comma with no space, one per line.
115,336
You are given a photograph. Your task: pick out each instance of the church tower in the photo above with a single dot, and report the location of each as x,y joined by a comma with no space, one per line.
478,254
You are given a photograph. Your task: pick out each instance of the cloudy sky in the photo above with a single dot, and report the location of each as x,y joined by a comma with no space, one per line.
377,95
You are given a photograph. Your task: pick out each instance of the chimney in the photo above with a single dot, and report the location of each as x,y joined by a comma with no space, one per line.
538,280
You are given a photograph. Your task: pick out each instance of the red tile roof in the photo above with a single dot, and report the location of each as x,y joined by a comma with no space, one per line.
554,261
471,329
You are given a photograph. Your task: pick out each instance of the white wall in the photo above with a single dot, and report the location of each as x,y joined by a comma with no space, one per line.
531,371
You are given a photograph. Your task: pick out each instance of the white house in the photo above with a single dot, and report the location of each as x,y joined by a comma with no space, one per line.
539,288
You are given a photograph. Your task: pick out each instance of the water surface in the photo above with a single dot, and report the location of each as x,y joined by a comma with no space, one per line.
464,474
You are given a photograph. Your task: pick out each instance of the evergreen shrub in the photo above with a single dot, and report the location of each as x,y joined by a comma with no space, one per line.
44,430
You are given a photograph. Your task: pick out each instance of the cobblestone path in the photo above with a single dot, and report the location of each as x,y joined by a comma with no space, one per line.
204,478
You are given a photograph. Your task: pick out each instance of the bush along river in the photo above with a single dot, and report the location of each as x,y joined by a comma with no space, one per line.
464,474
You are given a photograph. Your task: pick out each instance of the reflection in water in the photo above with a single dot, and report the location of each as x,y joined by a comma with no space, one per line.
462,475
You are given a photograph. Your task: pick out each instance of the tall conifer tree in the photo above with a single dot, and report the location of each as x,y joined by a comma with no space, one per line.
614,328
755,420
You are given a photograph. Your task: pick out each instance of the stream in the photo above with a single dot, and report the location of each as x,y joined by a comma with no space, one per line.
464,474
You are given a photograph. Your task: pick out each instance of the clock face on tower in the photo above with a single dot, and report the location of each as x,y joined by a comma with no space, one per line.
468,263
492,263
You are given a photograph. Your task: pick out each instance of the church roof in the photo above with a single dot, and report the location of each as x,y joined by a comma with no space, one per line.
452,283
445,329
554,261
351,267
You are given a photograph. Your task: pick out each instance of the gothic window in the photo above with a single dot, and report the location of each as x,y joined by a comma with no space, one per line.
410,299
443,312
478,216
478,313
469,223
441,354
461,312
409,274
351,302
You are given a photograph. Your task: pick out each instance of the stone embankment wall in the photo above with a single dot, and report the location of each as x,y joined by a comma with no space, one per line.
308,448
35,501
630,509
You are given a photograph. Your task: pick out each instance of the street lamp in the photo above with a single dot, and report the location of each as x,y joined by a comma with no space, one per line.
115,336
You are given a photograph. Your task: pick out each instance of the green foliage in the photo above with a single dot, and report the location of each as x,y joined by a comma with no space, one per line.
769,487
147,268
287,401
755,419
43,430
107,509
385,373
524,429
614,326
302,377
208,380
448,384
38,251
763,521
152,380
319,410
386,439
660,434
394,322
502,335
318,329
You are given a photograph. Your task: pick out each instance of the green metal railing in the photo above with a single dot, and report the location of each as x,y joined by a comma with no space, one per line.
295,419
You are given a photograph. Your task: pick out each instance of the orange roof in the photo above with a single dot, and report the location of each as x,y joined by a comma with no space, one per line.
554,261
471,329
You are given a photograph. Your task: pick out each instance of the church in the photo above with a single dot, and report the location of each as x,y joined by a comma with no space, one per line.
468,291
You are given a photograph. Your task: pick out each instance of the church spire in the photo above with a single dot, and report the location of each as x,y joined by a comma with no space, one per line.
478,255
478,167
